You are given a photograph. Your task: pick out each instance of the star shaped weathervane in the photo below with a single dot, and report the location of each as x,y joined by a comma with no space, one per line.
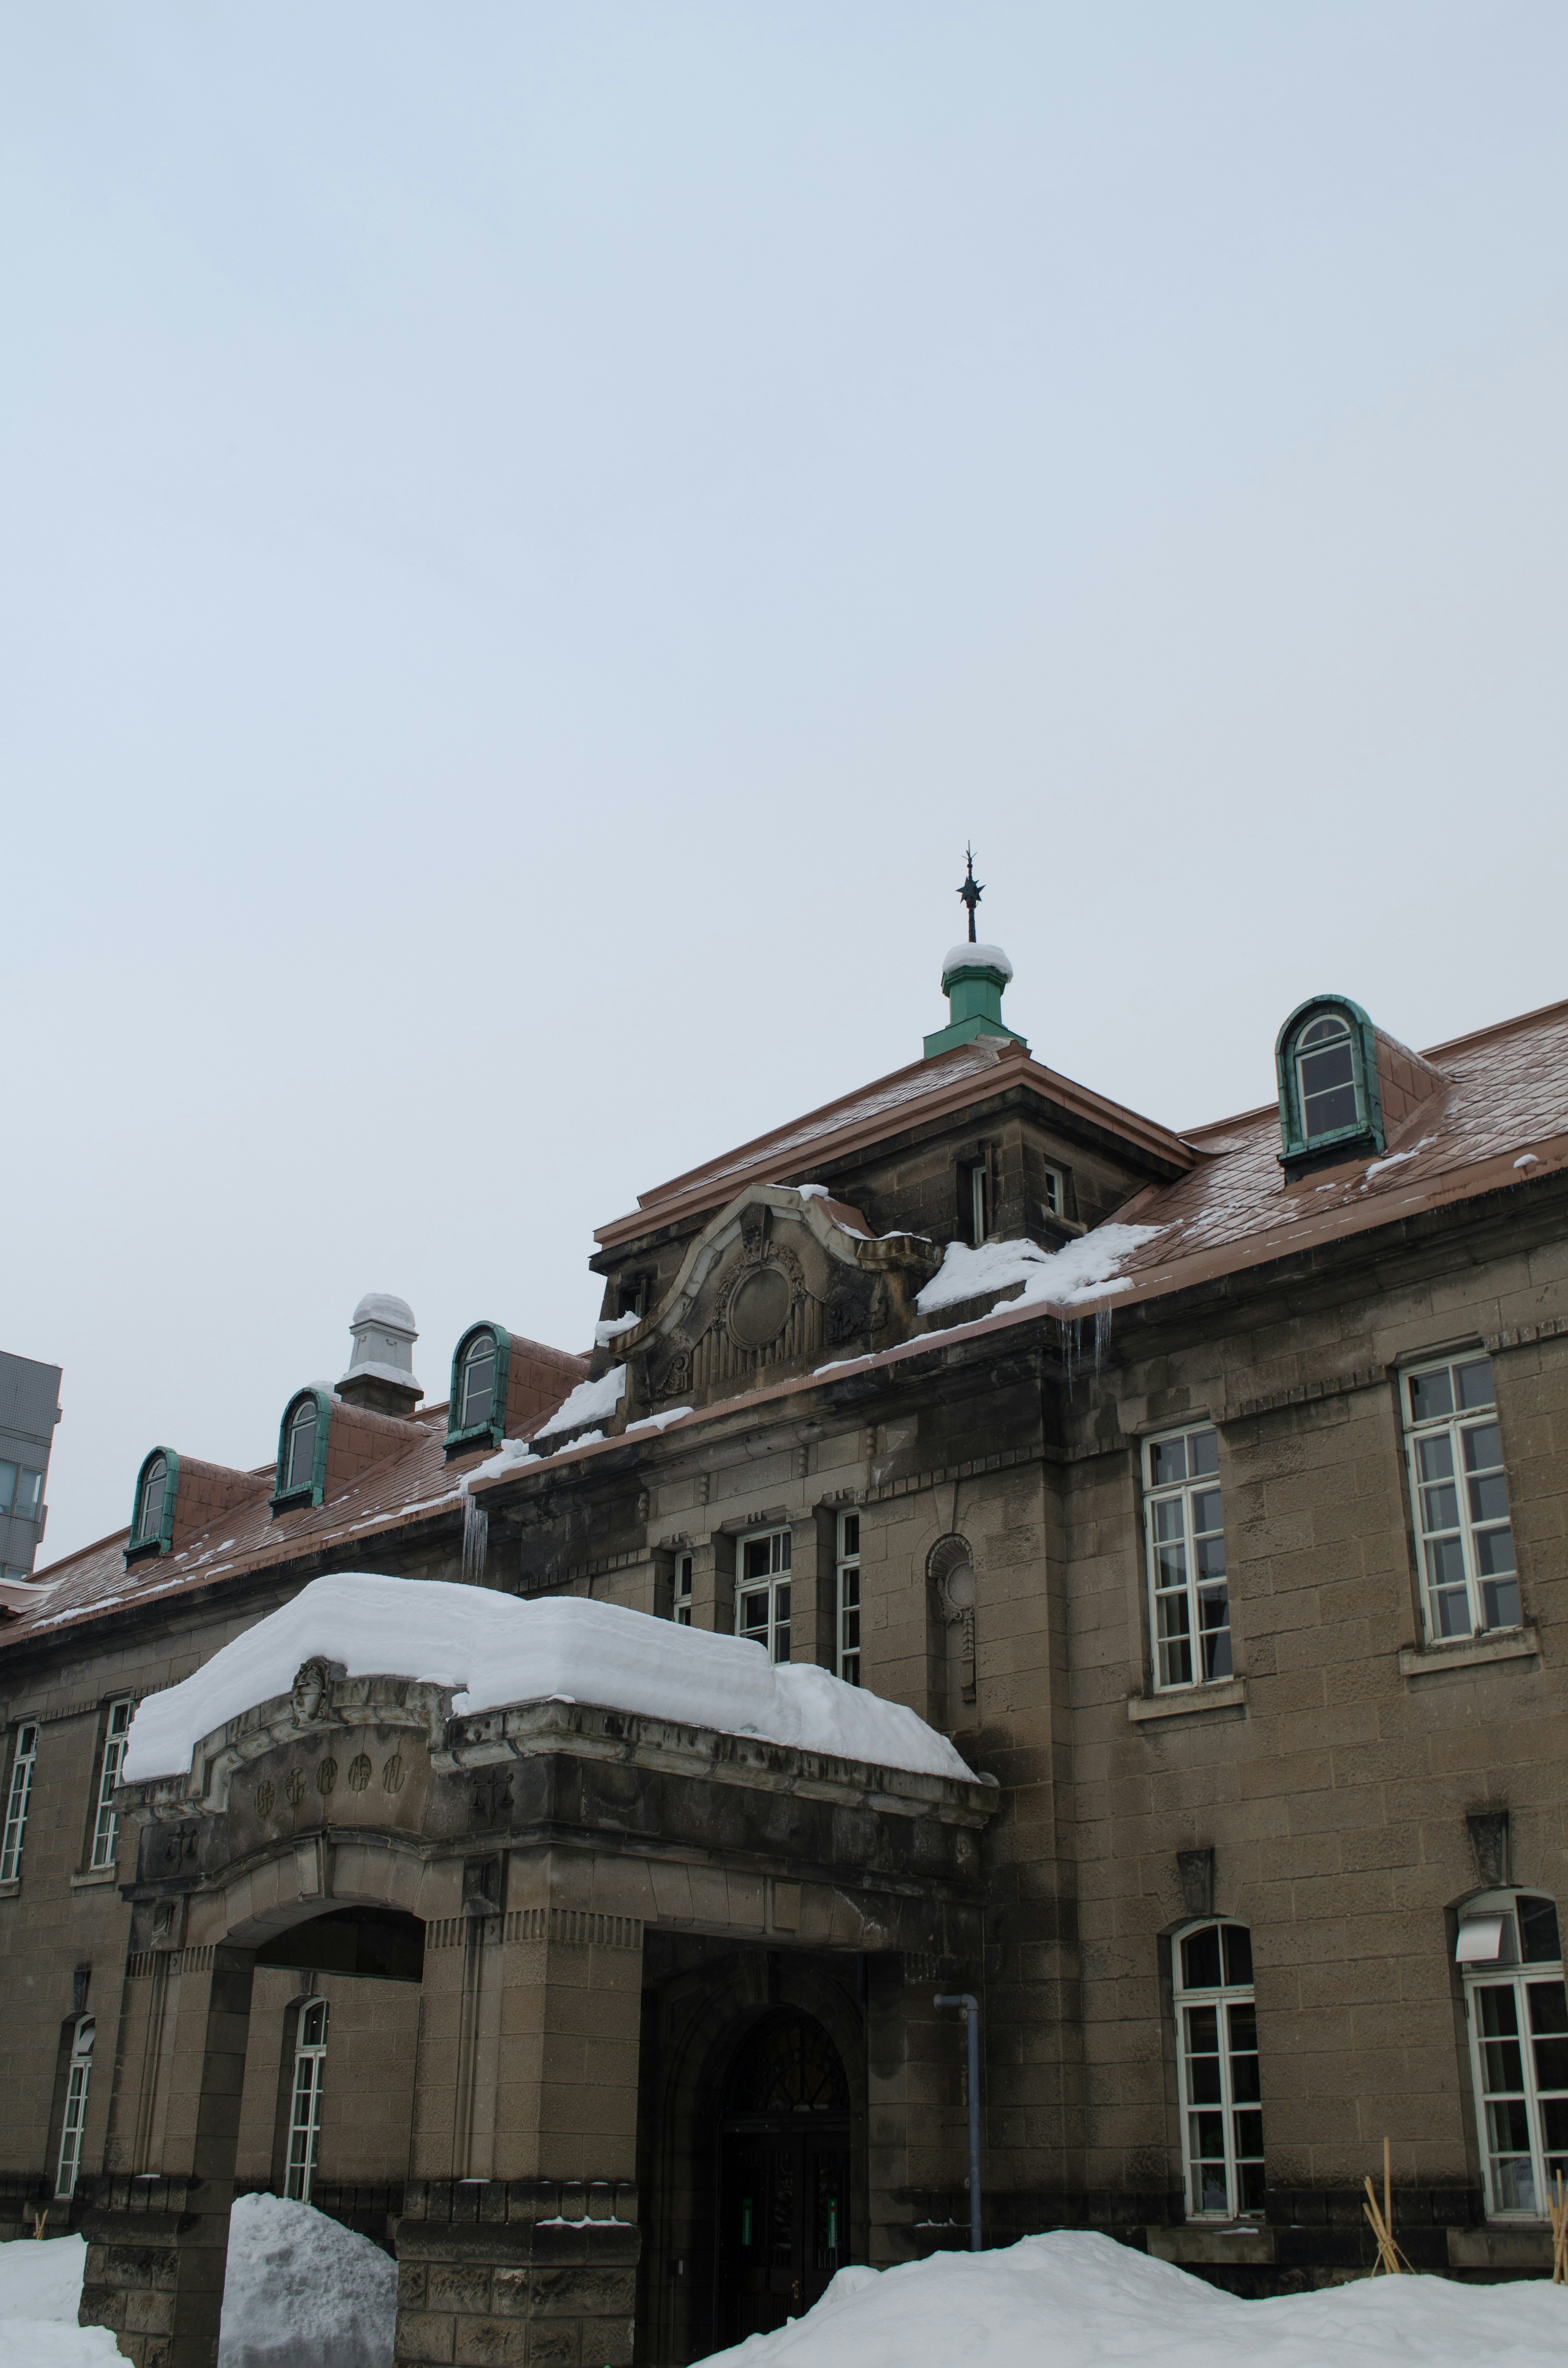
973,890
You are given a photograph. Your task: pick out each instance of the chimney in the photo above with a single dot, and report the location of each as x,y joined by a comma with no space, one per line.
381,1370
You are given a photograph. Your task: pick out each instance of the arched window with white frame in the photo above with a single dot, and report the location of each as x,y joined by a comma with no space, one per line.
304,2112
1218,2066
1510,1954
78,2075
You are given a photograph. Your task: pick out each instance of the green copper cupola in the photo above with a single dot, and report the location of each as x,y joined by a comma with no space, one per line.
974,977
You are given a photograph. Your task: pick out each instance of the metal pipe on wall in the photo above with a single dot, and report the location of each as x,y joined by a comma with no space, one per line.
971,2005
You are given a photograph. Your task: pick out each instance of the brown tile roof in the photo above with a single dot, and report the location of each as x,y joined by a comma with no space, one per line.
1499,1121
926,1090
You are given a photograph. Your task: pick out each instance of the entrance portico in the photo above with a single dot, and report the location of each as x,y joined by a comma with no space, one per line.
616,1908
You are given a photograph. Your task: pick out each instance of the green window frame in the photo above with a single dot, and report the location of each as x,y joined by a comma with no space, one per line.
160,1539
1301,1148
461,1435
284,1495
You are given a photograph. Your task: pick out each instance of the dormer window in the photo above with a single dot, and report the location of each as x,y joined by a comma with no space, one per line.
153,1509
476,1390
302,1450
150,1501
1330,1100
481,1367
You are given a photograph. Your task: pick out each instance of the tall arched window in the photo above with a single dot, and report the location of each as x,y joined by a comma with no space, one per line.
304,2117
1330,1101
150,1500
1217,2054
78,2073
1510,1951
476,1393
482,1366
302,1450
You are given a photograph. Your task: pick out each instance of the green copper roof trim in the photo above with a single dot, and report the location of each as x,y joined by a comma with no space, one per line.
974,1003
283,1498
480,1434
137,1547
1368,1133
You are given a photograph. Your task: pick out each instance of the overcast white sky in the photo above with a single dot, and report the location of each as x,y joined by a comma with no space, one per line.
532,534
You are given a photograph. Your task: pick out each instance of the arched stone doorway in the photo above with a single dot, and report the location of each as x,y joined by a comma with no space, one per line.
784,2184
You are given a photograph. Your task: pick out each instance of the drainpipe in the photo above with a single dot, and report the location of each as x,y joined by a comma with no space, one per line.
971,2005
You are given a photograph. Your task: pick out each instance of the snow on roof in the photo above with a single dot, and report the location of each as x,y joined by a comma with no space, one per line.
967,957
499,1649
1084,1269
589,1401
384,1307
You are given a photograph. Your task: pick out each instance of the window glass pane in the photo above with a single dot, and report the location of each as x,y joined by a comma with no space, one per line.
1474,1382
1167,1462
479,1381
1549,2012
7,1486
851,1533
1238,1953
1430,1394
29,1489
1328,1089
1200,1959
1325,1030
148,1522
301,1447
1539,1943
1203,1453
753,1615
1205,1510
756,1557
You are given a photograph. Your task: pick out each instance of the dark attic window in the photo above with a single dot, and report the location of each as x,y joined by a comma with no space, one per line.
1330,1109
302,1450
152,1513
482,1365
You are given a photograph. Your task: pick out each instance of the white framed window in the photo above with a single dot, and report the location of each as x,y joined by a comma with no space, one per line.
1054,1192
682,1590
1511,1955
1458,1493
300,1461
476,1388
78,2073
1189,1600
1330,1099
1221,2090
304,2112
761,1592
150,1505
847,1594
105,1825
977,1201
23,1760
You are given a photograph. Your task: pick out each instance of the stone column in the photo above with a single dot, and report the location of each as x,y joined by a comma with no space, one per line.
157,2239
519,2241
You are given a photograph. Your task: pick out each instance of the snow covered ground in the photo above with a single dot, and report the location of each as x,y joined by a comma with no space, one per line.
502,1649
1078,2301
302,2293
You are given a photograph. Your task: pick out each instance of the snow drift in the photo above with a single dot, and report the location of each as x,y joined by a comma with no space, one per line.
498,1649
301,2292
1081,1270
1075,2300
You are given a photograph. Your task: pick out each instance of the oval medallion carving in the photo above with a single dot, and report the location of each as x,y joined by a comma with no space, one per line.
391,1775
358,1773
265,1798
294,1791
326,1777
759,1306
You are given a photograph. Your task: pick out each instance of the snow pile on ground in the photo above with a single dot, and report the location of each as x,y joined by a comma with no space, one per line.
497,1648
1082,1271
301,2291
589,1401
40,2287
1074,2300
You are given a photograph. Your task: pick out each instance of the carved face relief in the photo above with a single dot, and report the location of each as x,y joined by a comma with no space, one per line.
311,1691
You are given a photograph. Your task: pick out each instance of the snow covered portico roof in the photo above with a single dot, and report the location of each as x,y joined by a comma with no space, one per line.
496,1650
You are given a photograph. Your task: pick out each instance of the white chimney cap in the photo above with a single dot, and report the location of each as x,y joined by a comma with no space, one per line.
384,1334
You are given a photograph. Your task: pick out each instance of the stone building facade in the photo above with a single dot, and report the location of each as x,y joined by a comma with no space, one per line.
1207,1490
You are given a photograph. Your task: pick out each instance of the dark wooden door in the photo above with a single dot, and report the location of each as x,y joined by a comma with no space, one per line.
783,2220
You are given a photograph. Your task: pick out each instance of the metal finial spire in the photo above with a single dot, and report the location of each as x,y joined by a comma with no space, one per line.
973,890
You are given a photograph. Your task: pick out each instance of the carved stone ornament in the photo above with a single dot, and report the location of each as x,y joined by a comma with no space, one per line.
759,1306
311,1691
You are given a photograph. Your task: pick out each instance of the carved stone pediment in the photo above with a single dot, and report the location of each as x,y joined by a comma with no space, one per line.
776,1283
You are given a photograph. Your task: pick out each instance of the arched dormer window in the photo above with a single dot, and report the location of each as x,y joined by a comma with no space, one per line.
481,1370
152,1513
1330,1106
302,1450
